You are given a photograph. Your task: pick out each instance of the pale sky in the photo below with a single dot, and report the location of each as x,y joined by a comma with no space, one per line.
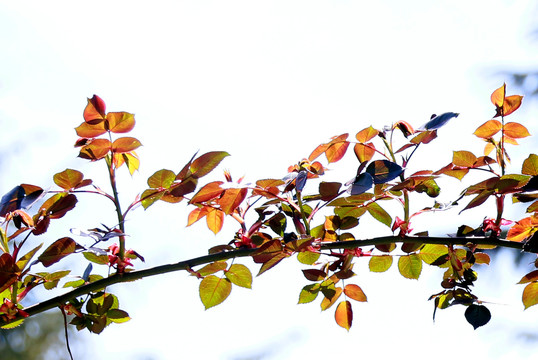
266,81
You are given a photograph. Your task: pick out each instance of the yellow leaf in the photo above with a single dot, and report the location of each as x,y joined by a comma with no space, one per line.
214,290
355,292
344,315
530,295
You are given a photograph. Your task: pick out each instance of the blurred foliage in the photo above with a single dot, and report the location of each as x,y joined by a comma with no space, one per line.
42,338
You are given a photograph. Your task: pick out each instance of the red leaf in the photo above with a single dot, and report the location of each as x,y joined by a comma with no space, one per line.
8,271
95,110
58,250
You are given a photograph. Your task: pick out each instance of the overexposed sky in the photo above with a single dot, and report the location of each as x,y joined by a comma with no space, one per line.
266,81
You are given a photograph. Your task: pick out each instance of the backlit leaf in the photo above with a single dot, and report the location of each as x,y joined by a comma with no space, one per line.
380,263
497,97
231,199
8,271
204,164
125,144
68,179
511,104
530,165
463,158
161,179
410,266
58,205
309,293
515,130
214,290
86,130
364,152
344,315
132,161
57,251
23,260
120,122
336,151
308,257
366,135
488,129
530,277
431,252
214,219
327,302
95,150
477,315
355,292
239,275
523,229
95,110
208,192
424,137
379,213
212,268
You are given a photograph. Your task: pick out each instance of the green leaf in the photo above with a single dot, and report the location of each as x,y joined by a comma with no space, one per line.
379,214
530,165
117,316
214,290
380,263
23,261
101,259
161,179
431,252
477,315
239,275
309,293
410,266
308,257
213,268
204,164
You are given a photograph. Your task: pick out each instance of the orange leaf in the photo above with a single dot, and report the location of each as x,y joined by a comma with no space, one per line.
125,144
231,199
463,158
208,192
318,151
355,292
336,151
530,295
120,122
511,104
364,152
523,229
497,97
488,129
366,135
68,179
194,216
515,130
488,148
94,112
95,150
344,315
86,130
214,219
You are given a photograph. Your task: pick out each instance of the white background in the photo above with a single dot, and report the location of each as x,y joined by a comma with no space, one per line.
266,81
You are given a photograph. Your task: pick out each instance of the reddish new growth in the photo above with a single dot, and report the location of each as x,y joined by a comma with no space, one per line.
9,311
114,259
